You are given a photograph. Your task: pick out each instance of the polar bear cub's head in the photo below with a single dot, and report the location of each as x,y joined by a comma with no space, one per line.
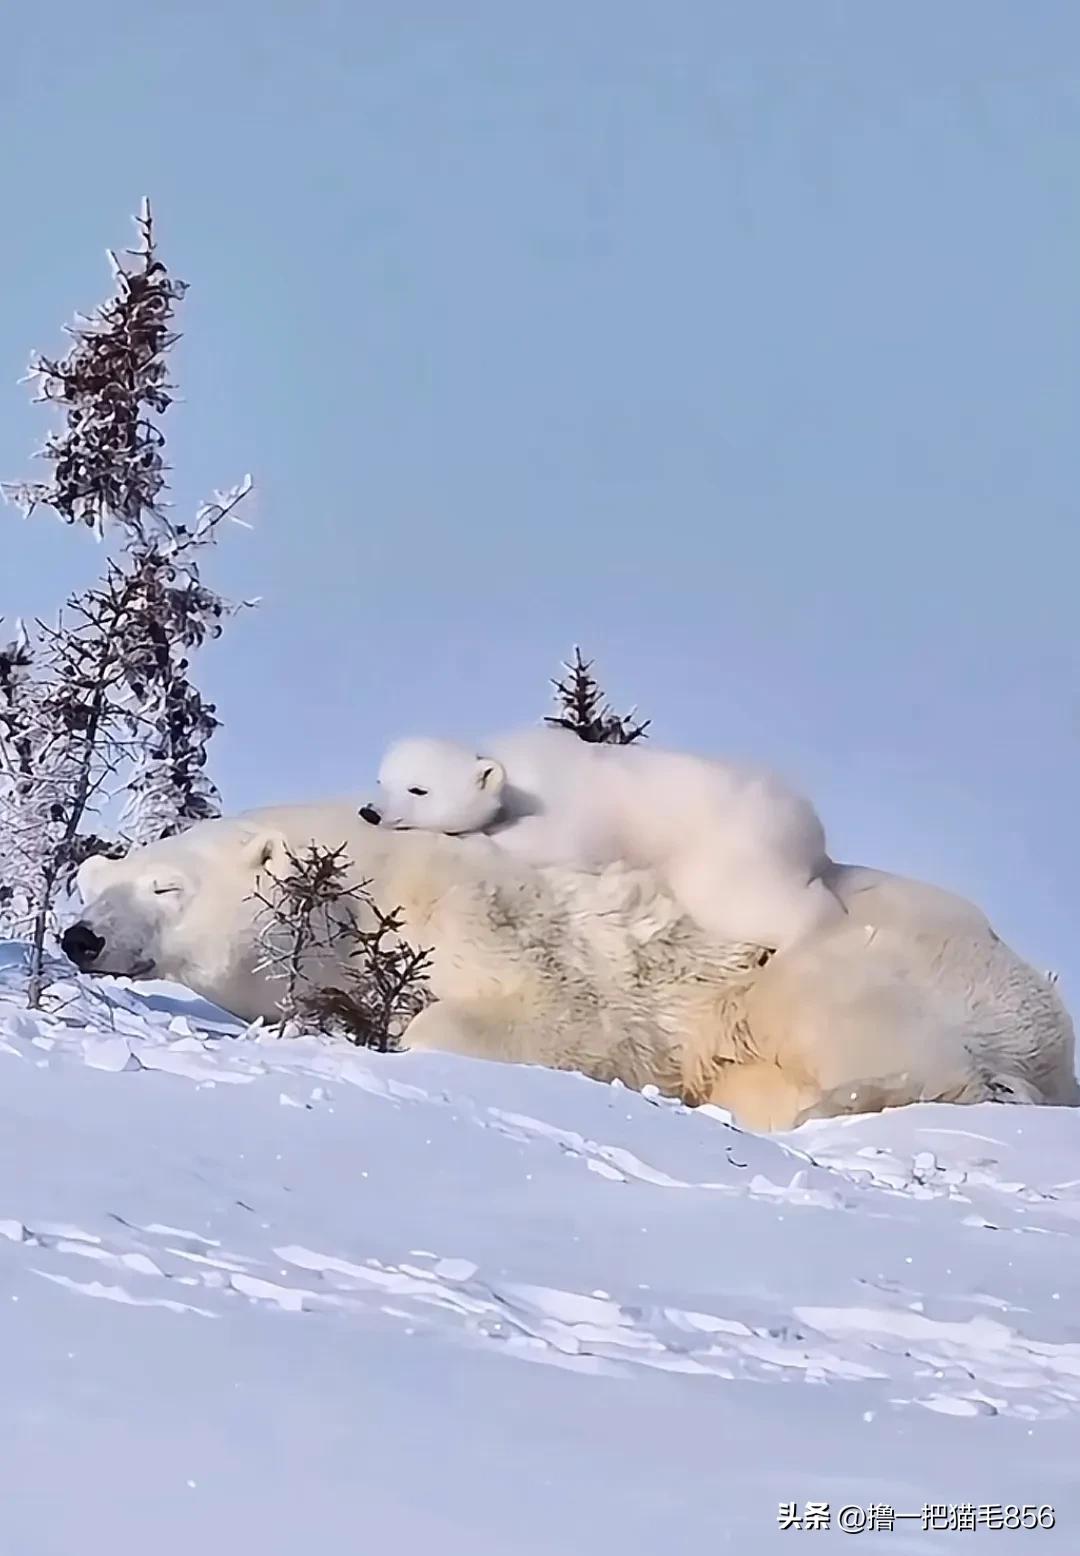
436,786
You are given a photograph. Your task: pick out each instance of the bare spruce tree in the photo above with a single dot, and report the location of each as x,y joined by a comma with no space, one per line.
18,716
111,705
315,926
63,747
584,709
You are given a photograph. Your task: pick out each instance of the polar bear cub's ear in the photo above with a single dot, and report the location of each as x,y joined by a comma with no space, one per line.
92,876
490,775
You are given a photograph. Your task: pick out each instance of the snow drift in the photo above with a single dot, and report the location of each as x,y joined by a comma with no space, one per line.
283,1294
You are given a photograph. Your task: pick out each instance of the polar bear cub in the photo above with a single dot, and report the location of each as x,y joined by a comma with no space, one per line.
741,851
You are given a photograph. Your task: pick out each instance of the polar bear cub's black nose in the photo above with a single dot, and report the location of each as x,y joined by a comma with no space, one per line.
369,813
80,945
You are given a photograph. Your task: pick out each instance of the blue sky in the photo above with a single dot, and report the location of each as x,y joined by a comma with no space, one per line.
738,342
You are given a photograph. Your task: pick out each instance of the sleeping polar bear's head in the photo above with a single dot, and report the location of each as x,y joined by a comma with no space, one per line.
192,909
170,907
436,786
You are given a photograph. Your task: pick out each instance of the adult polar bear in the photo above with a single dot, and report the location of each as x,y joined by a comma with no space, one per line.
910,997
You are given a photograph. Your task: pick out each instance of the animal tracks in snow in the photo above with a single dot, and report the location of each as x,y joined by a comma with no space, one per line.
979,1365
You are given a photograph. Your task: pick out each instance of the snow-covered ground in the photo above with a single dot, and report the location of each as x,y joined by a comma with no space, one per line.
283,1297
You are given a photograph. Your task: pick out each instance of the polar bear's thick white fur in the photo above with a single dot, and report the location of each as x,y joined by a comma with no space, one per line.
910,997
740,850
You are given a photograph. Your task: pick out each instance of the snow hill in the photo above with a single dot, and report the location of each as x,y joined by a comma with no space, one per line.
284,1296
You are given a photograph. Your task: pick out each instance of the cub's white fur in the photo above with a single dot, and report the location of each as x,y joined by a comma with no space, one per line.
741,851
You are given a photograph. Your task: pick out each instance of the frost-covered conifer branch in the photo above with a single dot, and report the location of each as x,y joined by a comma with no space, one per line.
60,758
168,788
311,929
384,986
300,920
108,464
17,728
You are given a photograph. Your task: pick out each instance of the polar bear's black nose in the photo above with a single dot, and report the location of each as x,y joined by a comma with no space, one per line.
369,813
80,945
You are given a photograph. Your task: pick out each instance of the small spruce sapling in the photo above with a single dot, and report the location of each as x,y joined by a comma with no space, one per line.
312,919
301,919
385,985
584,709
